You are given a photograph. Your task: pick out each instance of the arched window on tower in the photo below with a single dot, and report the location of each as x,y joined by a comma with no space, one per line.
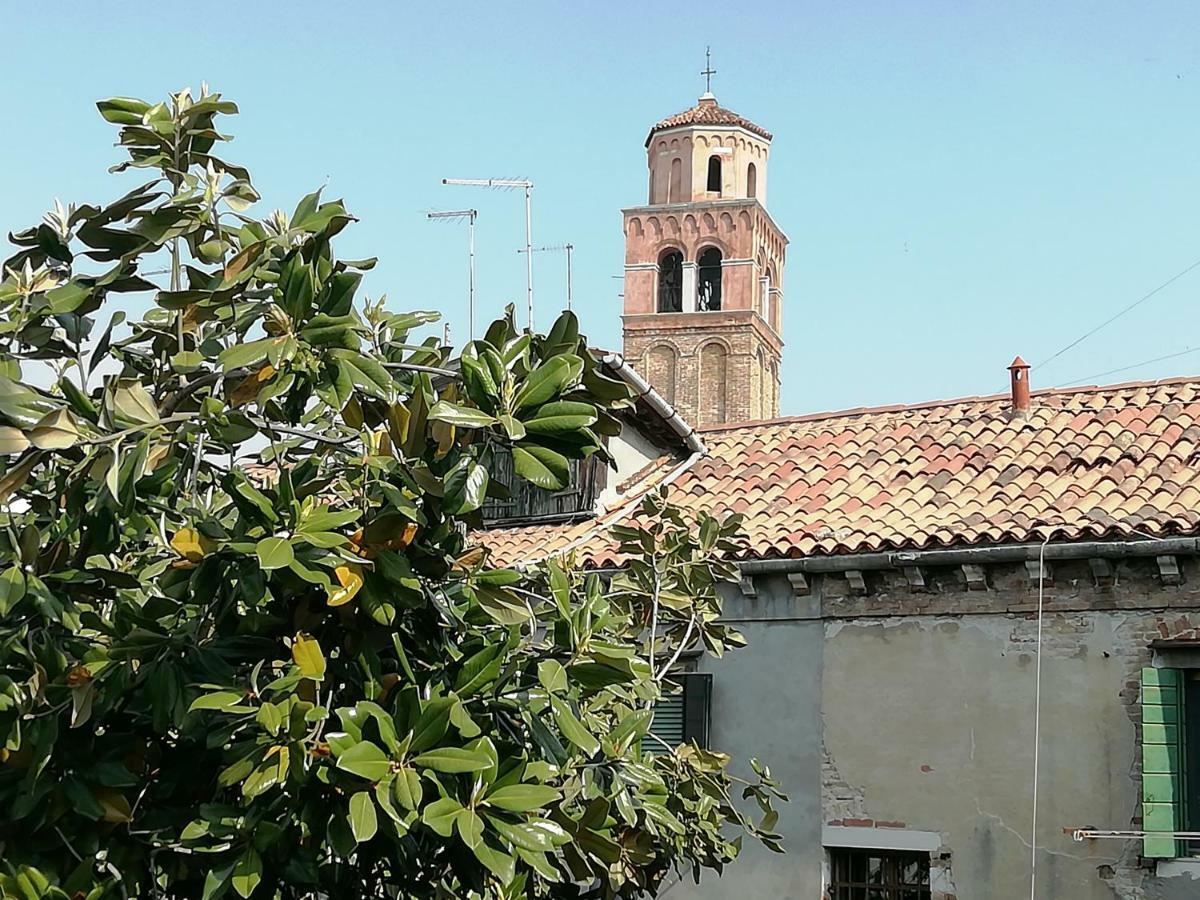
670,282
714,174
751,181
675,185
709,298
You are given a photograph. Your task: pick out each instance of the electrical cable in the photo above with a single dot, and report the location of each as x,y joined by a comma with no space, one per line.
1145,362
1136,303
1037,721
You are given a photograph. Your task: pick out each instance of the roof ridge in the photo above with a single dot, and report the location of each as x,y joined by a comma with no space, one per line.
855,411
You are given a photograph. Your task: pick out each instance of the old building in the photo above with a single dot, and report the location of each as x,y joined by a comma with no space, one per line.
704,269
952,607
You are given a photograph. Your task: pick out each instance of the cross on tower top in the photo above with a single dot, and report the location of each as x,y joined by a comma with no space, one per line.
709,71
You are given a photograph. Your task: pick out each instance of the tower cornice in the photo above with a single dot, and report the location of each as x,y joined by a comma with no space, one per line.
705,206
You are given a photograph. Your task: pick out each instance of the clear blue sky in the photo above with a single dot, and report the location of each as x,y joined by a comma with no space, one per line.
961,182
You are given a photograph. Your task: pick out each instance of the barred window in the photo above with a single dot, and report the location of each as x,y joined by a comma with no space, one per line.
878,875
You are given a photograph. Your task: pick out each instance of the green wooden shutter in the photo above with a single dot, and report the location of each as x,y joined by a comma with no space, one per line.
682,717
667,723
1163,790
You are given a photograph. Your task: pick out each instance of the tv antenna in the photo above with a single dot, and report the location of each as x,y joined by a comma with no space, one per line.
509,184
458,215
557,248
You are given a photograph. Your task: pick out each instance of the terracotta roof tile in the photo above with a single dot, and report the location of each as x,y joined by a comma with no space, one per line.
707,112
1087,463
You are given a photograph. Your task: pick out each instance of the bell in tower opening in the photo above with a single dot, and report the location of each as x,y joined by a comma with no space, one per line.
704,269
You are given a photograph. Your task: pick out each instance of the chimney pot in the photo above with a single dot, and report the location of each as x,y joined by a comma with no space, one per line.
1019,376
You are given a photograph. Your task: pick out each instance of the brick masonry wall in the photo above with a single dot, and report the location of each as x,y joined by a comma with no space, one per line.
726,385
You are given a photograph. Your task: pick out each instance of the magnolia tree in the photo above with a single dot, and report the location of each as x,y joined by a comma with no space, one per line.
247,645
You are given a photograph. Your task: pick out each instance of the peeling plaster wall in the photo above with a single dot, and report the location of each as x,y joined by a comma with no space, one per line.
932,720
880,705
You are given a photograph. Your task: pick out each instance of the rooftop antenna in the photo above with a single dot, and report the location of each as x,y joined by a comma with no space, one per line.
509,183
708,72
557,248
457,215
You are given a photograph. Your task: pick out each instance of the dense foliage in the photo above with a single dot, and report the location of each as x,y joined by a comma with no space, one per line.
247,647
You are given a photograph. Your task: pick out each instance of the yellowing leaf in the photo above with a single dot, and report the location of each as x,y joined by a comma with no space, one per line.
248,388
306,652
192,545
55,431
116,807
12,441
350,578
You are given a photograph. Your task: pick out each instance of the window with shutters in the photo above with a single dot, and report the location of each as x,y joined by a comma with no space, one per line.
856,874
681,716
1170,760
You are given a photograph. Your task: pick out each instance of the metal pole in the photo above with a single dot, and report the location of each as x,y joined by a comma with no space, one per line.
471,283
529,254
570,247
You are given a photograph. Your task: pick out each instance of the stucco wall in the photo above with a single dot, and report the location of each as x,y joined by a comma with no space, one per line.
766,703
882,707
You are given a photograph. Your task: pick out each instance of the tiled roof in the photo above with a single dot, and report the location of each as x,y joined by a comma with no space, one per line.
1087,463
707,112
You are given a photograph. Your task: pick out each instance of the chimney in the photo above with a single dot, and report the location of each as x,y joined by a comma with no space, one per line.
1019,370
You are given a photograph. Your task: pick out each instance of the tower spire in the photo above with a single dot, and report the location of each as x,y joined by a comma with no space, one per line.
708,72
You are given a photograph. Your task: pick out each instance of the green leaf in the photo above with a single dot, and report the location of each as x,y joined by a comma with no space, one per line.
187,361
406,788
366,761
367,374
552,675
363,821
522,797
561,418
247,873
462,416
544,383
480,670
274,553
432,725
452,760
123,111
226,700
241,356
500,864
269,718
541,466
466,487
129,404
573,730
12,589
67,298
441,814
470,828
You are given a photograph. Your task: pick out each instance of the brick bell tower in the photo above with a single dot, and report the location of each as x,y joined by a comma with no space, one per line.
704,269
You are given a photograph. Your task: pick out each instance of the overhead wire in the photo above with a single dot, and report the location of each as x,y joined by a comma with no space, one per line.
1136,365
1132,306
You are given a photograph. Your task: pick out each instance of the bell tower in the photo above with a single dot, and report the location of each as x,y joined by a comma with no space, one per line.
704,269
